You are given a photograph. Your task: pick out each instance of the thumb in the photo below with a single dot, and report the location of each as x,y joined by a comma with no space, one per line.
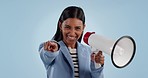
93,56
53,46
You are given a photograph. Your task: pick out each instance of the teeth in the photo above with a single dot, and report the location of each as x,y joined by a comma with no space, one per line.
71,37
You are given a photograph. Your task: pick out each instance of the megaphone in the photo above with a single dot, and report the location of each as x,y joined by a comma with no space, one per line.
122,51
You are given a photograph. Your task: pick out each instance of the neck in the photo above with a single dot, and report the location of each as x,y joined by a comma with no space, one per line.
71,45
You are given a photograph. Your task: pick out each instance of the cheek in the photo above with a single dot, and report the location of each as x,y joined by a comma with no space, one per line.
79,33
64,33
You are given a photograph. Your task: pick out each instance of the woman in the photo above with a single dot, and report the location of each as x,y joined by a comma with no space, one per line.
64,56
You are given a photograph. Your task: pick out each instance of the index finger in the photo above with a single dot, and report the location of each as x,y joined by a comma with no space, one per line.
99,53
46,44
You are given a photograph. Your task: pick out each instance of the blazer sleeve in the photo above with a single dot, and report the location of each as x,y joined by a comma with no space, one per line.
46,56
96,72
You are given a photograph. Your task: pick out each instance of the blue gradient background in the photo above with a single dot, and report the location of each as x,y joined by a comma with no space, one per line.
24,24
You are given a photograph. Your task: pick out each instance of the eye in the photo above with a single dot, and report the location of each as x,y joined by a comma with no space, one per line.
67,27
78,28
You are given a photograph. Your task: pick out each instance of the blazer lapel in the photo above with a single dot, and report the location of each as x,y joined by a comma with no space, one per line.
66,53
82,57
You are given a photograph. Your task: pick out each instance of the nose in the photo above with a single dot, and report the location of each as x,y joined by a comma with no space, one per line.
72,32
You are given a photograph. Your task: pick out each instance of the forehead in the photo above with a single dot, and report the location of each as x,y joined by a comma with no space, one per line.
73,22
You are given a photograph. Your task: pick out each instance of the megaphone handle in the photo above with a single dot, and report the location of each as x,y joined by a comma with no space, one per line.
97,65
95,51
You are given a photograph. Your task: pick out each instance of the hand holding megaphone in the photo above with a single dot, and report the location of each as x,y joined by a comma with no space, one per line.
121,51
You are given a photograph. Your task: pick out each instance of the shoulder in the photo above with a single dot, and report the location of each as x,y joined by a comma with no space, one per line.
83,46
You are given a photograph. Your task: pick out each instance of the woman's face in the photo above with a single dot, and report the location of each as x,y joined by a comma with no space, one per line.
72,29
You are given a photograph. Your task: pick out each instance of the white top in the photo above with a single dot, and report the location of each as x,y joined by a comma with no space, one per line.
74,57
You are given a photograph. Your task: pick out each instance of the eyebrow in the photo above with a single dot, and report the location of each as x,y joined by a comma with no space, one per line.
67,25
70,26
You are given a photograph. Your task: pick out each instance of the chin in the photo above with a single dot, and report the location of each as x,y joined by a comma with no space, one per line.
71,41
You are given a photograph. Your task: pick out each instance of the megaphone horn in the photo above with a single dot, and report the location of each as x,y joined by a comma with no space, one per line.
122,51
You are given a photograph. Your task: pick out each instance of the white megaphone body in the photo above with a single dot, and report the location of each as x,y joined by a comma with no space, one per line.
121,51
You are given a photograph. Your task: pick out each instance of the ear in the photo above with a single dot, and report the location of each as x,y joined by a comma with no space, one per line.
84,26
60,25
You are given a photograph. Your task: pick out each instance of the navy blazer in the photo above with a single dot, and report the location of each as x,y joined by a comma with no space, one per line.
60,65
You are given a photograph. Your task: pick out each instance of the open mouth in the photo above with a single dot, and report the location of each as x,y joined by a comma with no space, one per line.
71,38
